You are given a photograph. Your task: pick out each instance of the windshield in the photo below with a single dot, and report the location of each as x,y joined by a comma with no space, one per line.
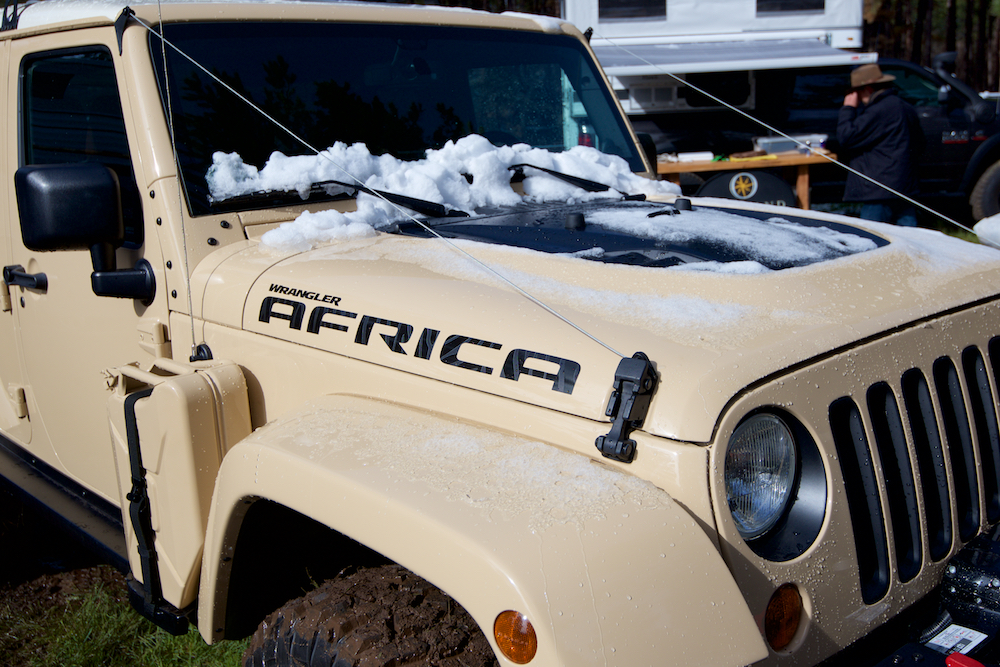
399,89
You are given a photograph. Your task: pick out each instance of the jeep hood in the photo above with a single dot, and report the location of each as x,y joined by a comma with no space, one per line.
713,319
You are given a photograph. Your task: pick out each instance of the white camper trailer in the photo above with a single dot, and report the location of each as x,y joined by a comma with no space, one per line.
640,43
786,63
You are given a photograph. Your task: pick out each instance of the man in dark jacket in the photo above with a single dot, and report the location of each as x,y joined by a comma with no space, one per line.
880,134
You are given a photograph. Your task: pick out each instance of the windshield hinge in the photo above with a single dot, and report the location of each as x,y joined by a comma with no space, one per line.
635,383
120,24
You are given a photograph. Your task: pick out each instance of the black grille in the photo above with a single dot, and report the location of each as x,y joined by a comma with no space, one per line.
960,392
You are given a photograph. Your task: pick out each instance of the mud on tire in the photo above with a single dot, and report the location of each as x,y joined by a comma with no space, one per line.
373,617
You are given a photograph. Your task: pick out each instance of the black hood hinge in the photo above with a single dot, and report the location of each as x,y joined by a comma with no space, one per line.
635,382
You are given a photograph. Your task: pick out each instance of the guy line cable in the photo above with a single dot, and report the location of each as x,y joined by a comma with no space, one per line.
800,143
538,302
180,194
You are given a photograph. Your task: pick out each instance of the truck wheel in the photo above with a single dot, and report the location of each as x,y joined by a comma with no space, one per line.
985,197
373,617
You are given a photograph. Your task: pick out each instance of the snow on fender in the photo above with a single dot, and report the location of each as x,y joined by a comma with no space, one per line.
607,567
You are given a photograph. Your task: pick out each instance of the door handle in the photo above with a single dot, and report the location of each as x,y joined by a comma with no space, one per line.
16,275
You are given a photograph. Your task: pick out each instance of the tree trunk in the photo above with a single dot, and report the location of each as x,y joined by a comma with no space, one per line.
917,52
993,83
899,42
965,62
979,73
951,25
929,51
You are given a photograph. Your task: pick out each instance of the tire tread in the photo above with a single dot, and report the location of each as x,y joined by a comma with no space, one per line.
370,617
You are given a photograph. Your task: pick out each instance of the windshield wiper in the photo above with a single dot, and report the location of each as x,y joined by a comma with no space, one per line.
421,206
583,183
278,197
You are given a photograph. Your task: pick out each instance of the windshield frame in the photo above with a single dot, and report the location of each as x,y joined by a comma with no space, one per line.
600,100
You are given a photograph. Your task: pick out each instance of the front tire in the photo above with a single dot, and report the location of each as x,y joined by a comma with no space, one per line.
372,617
985,199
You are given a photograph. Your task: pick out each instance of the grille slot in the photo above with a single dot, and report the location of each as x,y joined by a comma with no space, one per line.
959,439
930,461
947,417
984,417
862,498
890,440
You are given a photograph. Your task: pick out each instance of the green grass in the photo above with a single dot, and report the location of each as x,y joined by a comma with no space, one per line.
94,628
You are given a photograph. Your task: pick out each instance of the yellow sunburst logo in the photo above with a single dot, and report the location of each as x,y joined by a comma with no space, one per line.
743,185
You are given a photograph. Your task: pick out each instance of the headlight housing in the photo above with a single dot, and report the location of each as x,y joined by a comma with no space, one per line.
760,469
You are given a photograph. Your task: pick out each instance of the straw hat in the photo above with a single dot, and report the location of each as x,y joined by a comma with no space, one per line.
869,75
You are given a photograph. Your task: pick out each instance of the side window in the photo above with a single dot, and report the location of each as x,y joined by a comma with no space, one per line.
818,95
920,91
72,113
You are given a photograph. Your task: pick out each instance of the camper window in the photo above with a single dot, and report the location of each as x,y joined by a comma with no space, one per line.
631,9
771,6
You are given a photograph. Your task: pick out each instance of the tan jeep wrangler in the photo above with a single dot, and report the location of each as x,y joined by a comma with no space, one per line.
513,401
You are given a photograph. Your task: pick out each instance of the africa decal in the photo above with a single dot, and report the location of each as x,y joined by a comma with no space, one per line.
319,319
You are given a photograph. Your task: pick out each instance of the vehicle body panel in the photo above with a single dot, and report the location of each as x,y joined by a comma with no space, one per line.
434,414
557,536
685,319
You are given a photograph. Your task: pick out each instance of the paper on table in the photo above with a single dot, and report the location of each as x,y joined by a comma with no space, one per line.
697,156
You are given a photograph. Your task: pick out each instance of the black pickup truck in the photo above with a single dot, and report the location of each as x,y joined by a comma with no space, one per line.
960,162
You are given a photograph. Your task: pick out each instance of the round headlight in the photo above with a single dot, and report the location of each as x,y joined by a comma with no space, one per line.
759,473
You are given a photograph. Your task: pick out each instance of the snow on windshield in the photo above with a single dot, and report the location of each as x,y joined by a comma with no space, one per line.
440,178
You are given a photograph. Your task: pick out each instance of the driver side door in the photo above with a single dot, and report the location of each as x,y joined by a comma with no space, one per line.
64,107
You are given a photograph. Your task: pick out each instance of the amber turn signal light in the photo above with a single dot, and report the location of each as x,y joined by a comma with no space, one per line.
781,620
515,637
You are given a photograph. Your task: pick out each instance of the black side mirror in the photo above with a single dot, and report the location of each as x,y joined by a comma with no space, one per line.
944,95
78,207
945,61
976,108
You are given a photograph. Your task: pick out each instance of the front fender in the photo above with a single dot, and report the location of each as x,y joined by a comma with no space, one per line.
608,568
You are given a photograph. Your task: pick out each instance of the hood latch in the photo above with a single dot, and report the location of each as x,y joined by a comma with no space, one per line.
635,383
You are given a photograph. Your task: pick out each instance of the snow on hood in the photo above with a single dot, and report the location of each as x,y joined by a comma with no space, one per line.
771,241
439,178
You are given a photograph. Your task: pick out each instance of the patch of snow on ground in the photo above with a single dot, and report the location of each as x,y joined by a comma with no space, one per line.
439,178
989,229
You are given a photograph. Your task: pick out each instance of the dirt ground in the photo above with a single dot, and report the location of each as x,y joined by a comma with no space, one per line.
41,568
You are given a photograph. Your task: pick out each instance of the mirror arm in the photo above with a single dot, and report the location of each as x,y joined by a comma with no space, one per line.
138,283
102,255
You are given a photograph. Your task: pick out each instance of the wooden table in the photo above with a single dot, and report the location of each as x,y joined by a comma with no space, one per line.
793,161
